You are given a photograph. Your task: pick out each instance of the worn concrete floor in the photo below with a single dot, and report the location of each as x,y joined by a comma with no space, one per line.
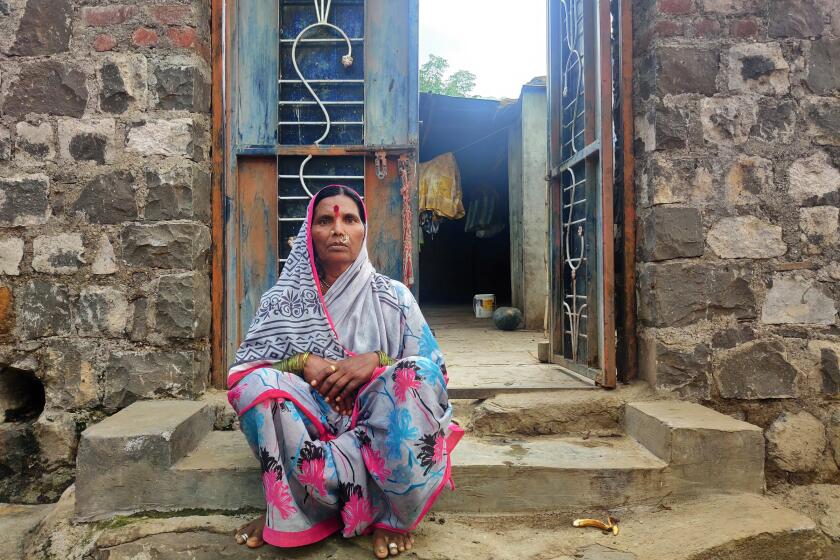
483,361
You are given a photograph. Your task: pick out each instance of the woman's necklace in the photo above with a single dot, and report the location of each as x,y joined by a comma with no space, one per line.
325,286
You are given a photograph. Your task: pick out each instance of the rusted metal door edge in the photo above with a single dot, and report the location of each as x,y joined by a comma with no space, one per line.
629,347
218,362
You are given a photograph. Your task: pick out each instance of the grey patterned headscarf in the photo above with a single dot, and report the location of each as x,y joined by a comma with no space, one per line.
360,313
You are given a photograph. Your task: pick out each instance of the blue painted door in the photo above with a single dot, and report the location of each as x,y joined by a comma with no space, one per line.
321,92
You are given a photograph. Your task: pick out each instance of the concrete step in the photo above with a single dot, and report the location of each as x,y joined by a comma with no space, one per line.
730,527
704,448
491,476
163,456
572,412
127,453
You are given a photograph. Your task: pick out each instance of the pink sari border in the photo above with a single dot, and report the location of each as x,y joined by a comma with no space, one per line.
312,535
452,440
237,373
280,394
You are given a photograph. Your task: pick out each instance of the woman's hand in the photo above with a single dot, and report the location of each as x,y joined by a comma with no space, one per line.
316,369
349,375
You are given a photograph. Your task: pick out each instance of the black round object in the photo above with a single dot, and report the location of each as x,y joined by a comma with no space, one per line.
507,318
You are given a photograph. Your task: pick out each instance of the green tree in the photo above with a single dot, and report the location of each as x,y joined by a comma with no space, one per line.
433,78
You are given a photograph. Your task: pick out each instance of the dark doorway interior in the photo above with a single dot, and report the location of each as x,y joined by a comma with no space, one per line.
456,264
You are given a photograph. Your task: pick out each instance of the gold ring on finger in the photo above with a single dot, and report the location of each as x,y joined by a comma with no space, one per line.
332,368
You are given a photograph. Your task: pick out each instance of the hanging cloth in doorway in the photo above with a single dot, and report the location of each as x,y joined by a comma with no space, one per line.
440,187
483,216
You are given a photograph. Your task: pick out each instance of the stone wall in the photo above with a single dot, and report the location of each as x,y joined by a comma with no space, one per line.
104,215
738,186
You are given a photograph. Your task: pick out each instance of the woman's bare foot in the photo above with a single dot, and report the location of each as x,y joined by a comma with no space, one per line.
254,531
382,538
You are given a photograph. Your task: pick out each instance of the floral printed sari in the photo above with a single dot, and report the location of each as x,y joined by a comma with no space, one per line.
386,463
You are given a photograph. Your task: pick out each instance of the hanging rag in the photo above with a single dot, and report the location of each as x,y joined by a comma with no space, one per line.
440,187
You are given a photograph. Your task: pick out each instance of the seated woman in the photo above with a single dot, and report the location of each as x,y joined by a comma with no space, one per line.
341,392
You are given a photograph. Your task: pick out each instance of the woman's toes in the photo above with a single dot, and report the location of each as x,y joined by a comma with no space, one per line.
380,545
409,541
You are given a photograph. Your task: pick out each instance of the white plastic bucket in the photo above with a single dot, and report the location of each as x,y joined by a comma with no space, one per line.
484,305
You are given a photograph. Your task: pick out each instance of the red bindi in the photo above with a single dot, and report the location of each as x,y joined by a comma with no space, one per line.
336,212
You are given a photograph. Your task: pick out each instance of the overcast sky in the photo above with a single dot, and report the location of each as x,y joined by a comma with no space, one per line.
504,47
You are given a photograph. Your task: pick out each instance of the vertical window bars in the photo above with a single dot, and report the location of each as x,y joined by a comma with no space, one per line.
321,98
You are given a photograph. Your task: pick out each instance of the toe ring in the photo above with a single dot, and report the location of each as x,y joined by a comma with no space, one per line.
244,536
393,548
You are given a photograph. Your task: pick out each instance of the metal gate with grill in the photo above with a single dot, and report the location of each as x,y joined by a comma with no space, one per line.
587,124
316,92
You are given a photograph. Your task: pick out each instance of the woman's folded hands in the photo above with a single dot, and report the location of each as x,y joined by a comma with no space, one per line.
338,381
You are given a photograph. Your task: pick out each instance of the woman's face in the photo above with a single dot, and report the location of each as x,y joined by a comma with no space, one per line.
337,232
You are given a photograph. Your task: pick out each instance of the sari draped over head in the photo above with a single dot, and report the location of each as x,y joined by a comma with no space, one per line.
384,465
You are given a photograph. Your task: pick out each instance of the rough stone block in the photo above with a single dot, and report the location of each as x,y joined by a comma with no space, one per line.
7,316
823,114
182,87
727,120
87,140
165,245
834,439
776,120
758,370
686,70
123,83
748,181
796,442
746,237
730,7
104,43
830,370
823,77
675,294
171,14
182,306
758,68
34,144
813,178
5,144
47,87
108,199
23,200
681,370
732,337
44,28
42,309
178,193
104,261
11,253
132,376
820,223
104,16
668,126
69,374
57,437
102,311
144,37
669,180
17,447
671,232
795,18
794,299
701,446
58,254
172,137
